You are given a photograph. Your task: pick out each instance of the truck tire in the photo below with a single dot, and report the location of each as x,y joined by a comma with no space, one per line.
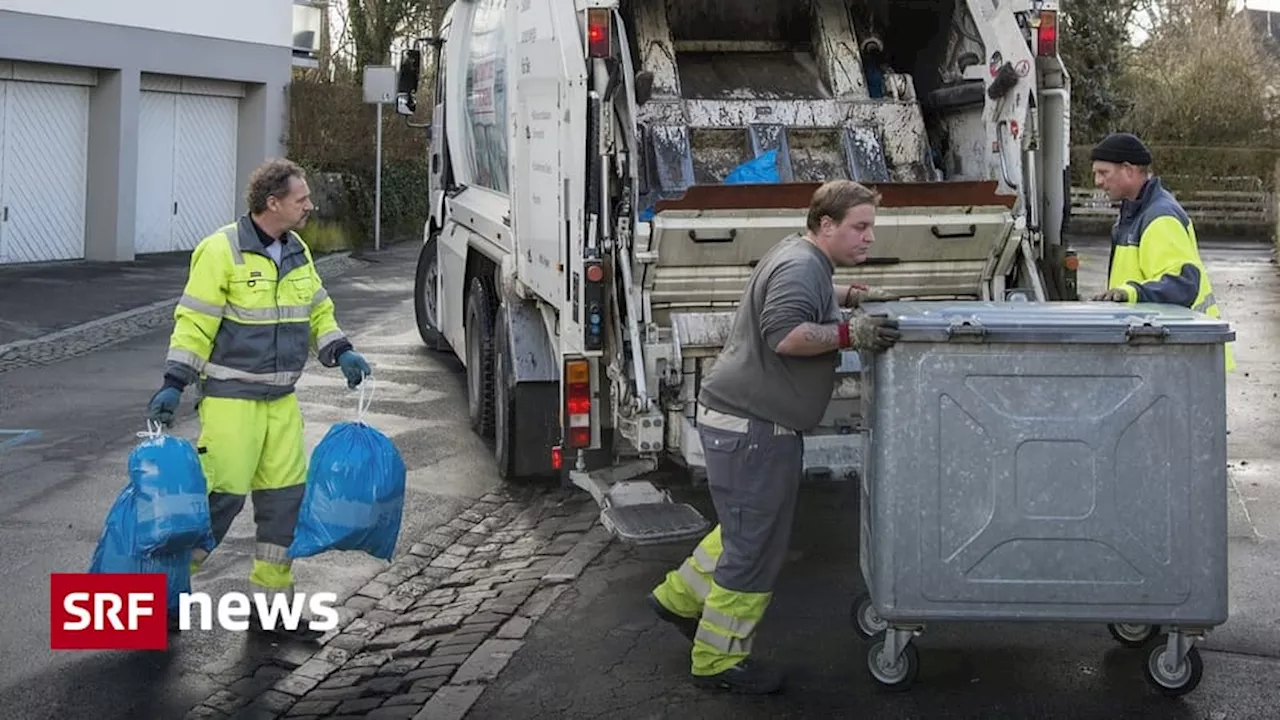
526,413
425,301
479,358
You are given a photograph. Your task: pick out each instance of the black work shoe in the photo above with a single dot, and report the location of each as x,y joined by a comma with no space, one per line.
687,626
747,677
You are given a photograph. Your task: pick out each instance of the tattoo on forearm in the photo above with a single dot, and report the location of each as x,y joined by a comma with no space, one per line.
820,333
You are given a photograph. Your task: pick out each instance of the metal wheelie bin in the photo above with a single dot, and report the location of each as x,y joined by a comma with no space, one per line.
1052,462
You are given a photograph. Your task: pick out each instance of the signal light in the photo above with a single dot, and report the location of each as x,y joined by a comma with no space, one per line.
599,23
1047,35
557,458
577,402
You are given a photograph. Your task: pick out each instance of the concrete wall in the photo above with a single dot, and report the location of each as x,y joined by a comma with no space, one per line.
262,22
120,54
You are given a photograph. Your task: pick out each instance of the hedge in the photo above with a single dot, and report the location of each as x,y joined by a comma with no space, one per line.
332,134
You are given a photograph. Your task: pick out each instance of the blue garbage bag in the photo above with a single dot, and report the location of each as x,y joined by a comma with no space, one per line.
355,494
761,169
116,553
171,501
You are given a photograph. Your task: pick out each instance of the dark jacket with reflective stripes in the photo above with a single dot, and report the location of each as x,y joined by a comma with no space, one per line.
244,327
1155,257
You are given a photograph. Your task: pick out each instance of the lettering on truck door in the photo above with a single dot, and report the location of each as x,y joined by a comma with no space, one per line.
539,196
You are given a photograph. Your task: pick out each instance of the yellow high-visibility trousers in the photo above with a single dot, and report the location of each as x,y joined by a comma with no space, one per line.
255,446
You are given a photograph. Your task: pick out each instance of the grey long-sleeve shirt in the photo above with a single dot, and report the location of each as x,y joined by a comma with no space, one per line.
791,285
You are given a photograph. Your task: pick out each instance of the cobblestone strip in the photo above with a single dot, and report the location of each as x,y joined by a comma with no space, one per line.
88,337
424,637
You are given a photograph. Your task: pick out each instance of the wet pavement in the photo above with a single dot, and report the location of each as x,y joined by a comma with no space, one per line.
42,299
600,652
494,608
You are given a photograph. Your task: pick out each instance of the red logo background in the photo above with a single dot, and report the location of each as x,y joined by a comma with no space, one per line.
152,630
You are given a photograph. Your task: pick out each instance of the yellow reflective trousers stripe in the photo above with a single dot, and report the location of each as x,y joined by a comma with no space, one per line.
728,618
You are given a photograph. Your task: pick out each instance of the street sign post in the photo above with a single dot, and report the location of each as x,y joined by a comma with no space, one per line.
379,89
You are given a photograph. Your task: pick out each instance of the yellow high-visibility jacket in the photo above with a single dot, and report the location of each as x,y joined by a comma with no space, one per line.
1155,257
245,328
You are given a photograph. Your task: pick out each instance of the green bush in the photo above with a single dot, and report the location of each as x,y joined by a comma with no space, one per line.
1195,168
325,236
332,131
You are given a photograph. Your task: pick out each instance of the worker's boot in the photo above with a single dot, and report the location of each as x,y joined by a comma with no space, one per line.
748,677
687,626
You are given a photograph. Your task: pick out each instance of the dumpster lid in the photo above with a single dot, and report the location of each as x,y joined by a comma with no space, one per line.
1051,322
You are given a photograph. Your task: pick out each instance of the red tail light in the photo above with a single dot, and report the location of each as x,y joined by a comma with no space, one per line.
1047,35
557,458
598,26
577,402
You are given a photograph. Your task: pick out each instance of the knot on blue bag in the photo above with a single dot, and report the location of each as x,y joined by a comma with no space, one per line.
354,497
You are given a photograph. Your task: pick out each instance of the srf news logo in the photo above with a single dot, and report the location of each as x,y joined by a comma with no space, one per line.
106,611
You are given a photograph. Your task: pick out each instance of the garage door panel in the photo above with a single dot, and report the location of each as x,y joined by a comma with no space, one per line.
155,210
204,166
46,143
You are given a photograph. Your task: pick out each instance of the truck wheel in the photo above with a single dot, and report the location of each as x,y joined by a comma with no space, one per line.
480,358
424,295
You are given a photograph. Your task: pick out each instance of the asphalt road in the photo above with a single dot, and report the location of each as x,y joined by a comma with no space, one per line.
601,653
55,492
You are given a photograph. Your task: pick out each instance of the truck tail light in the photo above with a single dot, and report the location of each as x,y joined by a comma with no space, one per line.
598,25
557,458
577,402
1047,34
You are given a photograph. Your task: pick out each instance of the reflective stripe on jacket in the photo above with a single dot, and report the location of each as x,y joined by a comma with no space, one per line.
243,327
1155,257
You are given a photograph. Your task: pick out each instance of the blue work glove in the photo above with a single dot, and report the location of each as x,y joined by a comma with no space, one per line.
164,404
354,367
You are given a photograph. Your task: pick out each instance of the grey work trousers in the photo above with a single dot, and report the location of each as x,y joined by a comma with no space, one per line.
753,472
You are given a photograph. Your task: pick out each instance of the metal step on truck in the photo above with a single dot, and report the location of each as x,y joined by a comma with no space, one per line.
585,254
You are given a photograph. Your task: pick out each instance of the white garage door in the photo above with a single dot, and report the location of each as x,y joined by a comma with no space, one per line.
44,150
186,168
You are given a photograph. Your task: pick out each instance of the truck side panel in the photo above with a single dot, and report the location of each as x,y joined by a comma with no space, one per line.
539,176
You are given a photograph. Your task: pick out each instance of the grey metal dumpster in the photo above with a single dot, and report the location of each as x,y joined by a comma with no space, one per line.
1046,462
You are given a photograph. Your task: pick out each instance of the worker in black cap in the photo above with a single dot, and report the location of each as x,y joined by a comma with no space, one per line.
1154,257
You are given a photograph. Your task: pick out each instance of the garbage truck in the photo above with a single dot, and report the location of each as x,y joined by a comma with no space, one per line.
589,234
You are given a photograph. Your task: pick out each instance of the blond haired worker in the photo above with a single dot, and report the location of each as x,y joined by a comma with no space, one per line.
251,313
772,382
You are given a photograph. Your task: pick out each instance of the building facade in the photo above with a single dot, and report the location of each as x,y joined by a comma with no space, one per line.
130,127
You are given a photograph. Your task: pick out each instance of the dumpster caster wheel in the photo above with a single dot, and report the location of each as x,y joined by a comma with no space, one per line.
895,674
1133,635
1173,680
866,620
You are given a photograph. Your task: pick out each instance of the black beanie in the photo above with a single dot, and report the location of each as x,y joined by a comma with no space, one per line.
1122,148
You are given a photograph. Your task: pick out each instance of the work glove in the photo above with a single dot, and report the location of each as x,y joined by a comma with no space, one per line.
163,405
858,294
1112,295
355,367
873,332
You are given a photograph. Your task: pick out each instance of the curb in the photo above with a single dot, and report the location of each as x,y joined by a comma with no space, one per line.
106,331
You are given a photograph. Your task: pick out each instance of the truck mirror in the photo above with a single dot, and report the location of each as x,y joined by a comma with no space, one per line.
410,72
644,87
